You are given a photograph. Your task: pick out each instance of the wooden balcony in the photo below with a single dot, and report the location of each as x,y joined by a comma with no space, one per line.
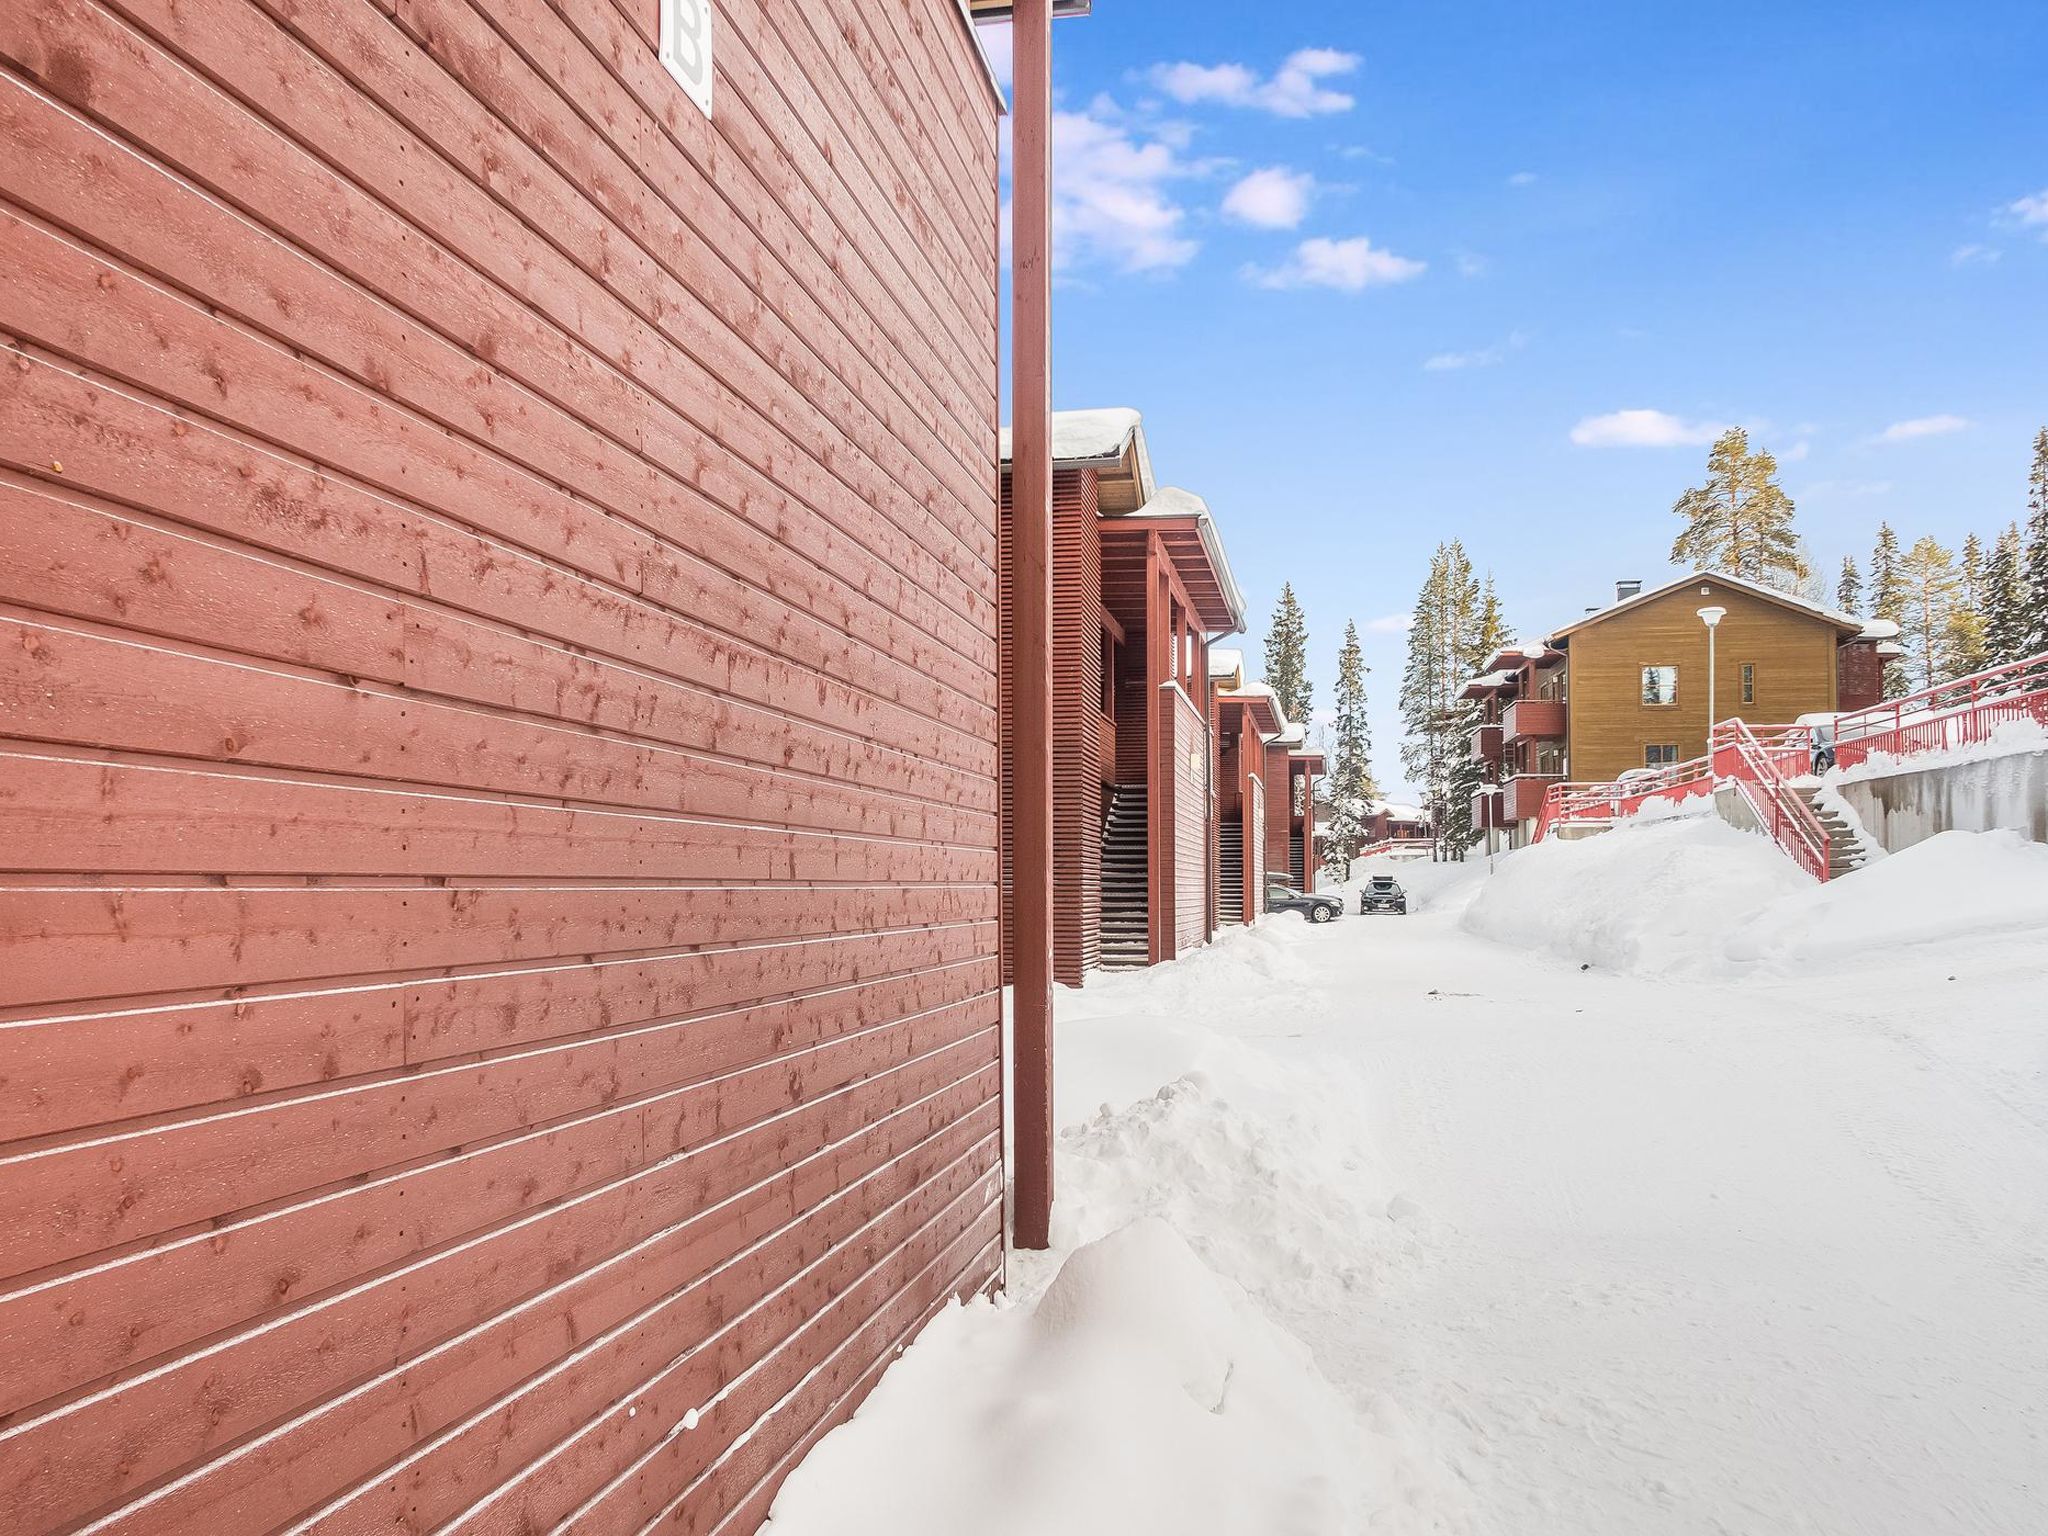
1535,720
1523,795
1486,742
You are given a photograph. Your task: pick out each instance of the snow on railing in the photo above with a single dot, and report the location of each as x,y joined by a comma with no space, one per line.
1760,770
1958,714
1603,804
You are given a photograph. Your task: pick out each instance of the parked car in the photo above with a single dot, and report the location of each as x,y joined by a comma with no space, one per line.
1382,893
1317,909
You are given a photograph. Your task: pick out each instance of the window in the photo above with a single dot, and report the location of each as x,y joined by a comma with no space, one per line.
1749,682
1660,756
1660,685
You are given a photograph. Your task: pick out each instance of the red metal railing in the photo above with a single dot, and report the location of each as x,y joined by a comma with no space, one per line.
1760,762
1757,769
1958,714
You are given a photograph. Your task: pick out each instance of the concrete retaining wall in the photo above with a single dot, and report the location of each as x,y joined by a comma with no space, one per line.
1901,809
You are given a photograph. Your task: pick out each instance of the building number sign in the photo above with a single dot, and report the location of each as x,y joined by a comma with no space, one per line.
686,47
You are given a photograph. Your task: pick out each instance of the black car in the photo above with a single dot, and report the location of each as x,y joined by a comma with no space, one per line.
1382,893
1317,909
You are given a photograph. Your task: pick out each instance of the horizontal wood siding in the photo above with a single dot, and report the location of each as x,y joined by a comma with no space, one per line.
498,780
1610,726
1255,848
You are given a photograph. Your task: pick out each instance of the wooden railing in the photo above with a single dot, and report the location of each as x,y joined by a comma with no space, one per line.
1761,772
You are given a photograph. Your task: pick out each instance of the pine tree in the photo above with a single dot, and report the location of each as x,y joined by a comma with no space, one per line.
1849,589
1968,641
1456,627
1928,590
1351,781
1287,657
2005,601
2034,566
1740,521
1888,600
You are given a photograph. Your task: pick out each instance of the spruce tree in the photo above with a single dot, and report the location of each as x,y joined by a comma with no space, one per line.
2005,601
1888,599
1455,629
1849,589
1968,643
1928,589
1287,657
1740,521
1351,781
2034,565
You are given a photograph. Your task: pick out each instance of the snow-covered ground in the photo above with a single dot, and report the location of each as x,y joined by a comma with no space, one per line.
1637,1187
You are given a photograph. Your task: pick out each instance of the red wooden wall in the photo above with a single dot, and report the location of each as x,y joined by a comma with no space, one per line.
1192,830
498,790
1077,766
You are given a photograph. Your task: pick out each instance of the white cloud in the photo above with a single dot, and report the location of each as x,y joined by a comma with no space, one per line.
1522,179
1295,89
1470,265
1644,429
1973,256
1349,265
1483,357
1795,453
2031,211
1923,426
1112,202
1390,624
1272,198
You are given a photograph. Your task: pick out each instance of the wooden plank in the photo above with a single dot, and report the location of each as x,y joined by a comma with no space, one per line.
335,1342
61,811
730,447
112,939
88,688
120,446
584,1413
108,1317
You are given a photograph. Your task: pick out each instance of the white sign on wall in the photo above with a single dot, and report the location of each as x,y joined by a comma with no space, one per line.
686,47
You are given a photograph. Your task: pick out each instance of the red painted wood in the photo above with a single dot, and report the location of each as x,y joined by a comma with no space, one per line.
498,772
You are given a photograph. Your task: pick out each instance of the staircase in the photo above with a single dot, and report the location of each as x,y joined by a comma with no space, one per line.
1126,881
1297,862
1845,848
1230,872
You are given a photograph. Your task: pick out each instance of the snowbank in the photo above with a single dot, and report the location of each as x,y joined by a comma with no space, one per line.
1655,898
1955,885
2006,739
1140,1394
1697,897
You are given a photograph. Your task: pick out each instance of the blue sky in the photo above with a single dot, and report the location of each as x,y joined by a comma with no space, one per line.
1383,275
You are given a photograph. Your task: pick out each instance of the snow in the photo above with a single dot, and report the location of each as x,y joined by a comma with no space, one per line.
1092,434
1412,1225
2005,739
1224,662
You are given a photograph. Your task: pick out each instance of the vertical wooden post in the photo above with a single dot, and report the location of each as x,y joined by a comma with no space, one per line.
1158,749
1030,711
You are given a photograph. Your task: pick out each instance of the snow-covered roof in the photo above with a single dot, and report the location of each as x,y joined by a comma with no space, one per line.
1290,736
1890,650
1172,501
1834,616
1224,662
1079,436
1879,629
1488,680
1394,810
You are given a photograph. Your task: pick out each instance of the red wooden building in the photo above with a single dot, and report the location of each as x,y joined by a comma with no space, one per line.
498,778
1265,826
1140,585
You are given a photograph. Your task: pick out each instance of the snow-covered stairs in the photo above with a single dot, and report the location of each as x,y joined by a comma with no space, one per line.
1846,852
1230,872
1126,881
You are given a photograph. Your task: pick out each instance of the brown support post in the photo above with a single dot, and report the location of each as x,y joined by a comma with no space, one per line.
1030,711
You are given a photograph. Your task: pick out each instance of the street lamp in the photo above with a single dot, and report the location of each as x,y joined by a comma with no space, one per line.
1711,617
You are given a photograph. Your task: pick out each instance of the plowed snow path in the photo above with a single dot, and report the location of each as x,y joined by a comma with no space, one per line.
1762,1256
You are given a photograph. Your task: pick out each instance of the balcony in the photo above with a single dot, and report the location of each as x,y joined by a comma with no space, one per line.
1523,795
1535,720
1486,742
1489,810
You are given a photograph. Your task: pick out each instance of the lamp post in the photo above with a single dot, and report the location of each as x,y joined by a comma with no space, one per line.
1711,617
